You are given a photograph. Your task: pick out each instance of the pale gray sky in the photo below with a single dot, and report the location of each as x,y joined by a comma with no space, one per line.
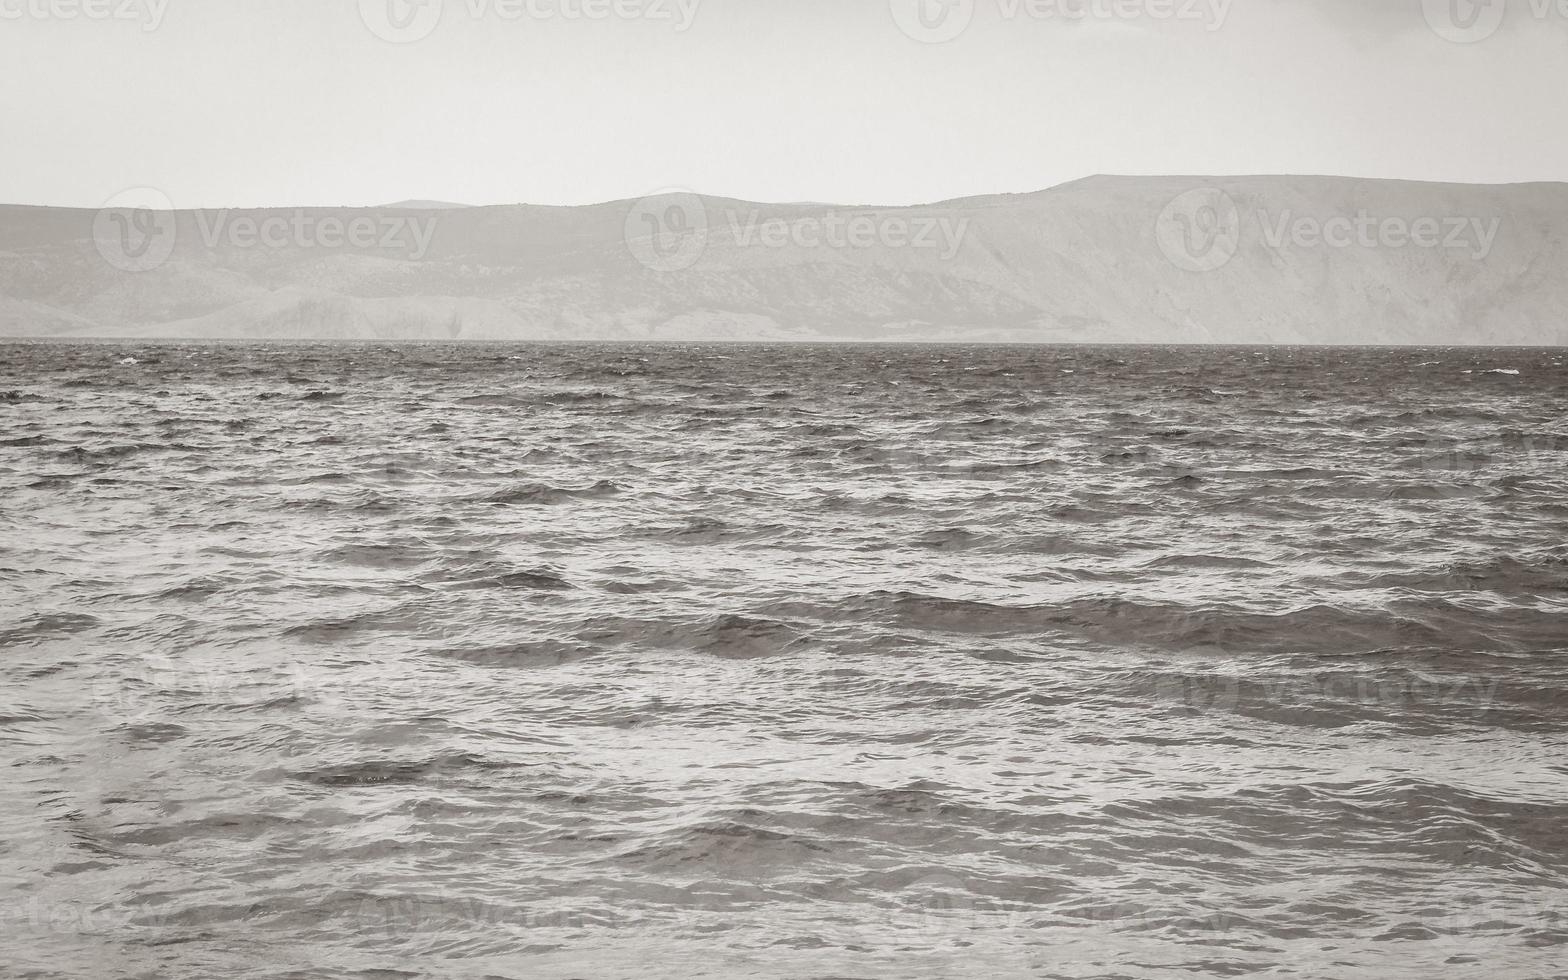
300,102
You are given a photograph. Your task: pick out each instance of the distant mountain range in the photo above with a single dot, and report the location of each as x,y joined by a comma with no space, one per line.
1292,260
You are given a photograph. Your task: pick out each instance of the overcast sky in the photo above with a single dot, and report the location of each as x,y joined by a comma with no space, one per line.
318,102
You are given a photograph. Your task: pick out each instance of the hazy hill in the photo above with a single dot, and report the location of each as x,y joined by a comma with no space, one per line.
1107,259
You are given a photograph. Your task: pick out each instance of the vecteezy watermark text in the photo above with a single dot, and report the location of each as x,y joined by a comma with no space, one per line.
148,13
850,231
405,21
403,234
1343,690
1366,230
669,232
1203,229
936,21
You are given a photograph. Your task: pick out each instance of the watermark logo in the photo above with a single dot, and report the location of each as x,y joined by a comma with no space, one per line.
401,21
668,231
941,903
933,21
1465,21
136,230
1473,21
132,695
148,13
1200,231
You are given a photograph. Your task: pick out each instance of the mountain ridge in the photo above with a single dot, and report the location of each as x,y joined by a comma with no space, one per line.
1104,259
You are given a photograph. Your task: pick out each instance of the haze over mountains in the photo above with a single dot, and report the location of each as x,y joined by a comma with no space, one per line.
1287,260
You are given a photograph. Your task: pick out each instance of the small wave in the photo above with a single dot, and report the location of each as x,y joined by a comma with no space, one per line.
45,626
722,844
79,454
343,628
951,539
380,555
1225,628
537,580
579,397
743,636
494,401
726,634
391,773
527,655
1506,574
1205,561
539,494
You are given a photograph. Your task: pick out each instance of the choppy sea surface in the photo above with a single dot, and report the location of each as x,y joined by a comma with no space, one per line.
618,661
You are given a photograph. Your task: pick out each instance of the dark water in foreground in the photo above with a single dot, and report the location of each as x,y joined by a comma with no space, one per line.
782,662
